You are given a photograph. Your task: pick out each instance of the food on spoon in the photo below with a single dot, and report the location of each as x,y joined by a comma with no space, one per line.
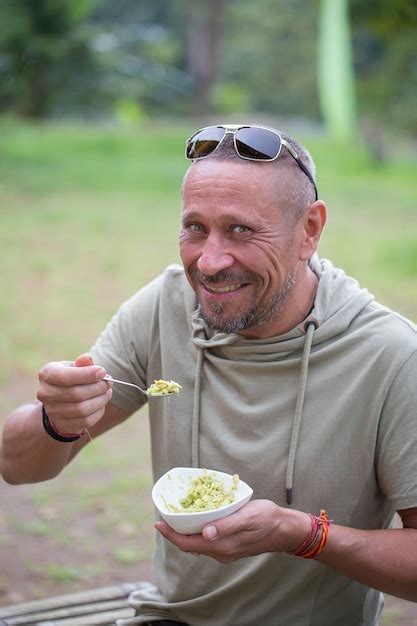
163,388
205,494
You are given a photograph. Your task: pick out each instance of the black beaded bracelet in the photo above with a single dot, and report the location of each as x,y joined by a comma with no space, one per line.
52,432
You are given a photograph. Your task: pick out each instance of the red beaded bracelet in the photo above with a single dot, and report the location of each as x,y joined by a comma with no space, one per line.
316,538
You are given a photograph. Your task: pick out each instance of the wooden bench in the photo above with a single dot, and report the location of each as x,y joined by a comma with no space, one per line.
99,606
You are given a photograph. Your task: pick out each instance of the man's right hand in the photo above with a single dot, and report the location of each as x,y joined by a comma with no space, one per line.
74,394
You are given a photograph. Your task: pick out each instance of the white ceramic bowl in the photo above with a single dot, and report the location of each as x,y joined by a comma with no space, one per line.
176,483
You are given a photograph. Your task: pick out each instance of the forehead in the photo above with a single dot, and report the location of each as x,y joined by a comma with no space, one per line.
237,183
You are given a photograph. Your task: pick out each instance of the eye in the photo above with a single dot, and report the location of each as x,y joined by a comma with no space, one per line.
195,227
240,229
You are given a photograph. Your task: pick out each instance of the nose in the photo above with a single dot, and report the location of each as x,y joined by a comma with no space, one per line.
214,257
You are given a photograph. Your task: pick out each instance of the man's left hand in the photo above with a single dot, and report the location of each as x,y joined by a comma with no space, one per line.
259,526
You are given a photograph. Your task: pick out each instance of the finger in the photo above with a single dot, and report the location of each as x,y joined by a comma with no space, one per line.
225,551
58,410
83,360
78,393
71,426
186,543
227,526
62,375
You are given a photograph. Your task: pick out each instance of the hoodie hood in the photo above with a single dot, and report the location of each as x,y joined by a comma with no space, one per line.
339,299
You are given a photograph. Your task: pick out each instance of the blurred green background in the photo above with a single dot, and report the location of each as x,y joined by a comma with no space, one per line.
96,101
130,60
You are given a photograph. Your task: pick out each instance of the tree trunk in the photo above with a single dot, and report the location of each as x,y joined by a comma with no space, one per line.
335,71
204,29
35,102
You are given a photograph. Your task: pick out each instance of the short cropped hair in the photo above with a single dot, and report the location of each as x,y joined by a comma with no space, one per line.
294,189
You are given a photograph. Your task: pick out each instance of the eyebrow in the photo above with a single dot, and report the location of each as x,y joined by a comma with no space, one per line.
232,218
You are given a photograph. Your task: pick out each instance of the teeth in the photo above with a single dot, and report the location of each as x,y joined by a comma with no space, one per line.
225,289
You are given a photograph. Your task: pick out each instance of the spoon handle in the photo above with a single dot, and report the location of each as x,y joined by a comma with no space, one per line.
123,382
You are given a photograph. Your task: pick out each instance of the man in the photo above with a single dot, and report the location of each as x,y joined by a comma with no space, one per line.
293,377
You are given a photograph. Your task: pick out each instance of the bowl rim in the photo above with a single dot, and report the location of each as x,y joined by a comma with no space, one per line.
194,514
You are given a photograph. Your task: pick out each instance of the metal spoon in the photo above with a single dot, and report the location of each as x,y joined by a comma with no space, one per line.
153,395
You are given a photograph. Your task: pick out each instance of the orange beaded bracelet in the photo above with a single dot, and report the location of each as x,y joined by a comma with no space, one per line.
316,538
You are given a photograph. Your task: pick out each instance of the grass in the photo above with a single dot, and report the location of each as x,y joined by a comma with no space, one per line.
63,573
88,215
129,556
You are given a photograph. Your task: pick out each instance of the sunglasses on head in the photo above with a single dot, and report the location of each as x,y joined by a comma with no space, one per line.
251,142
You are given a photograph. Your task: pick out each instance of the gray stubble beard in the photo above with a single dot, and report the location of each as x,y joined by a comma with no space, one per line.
258,315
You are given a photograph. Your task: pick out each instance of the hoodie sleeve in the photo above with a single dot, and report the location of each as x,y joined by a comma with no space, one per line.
396,455
123,347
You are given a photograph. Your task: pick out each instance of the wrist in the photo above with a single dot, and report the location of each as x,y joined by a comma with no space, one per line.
316,539
295,525
52,430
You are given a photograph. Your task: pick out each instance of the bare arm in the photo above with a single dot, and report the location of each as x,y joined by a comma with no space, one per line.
382,559
77,399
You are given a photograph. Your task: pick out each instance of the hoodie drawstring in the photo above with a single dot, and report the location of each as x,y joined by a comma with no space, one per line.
310,328
195,428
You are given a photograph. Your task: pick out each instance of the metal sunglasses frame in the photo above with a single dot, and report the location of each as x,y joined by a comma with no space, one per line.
231,129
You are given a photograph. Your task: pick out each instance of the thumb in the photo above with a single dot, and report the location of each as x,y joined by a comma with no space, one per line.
83,360
225,527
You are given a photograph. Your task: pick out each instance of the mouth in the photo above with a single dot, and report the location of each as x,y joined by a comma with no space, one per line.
222,293
225,289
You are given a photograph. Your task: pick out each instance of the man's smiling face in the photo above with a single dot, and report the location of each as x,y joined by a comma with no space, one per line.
239,251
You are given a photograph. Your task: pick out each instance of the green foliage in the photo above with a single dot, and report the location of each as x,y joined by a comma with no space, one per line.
384,43
139,48
89,57
270,53
37,42
128,112
386,17
231,98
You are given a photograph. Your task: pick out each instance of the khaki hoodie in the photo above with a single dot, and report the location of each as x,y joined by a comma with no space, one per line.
323,416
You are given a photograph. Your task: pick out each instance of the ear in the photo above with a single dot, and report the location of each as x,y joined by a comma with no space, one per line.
313,222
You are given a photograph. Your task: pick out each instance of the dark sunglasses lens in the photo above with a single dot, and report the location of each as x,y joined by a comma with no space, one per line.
204,142
257,143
